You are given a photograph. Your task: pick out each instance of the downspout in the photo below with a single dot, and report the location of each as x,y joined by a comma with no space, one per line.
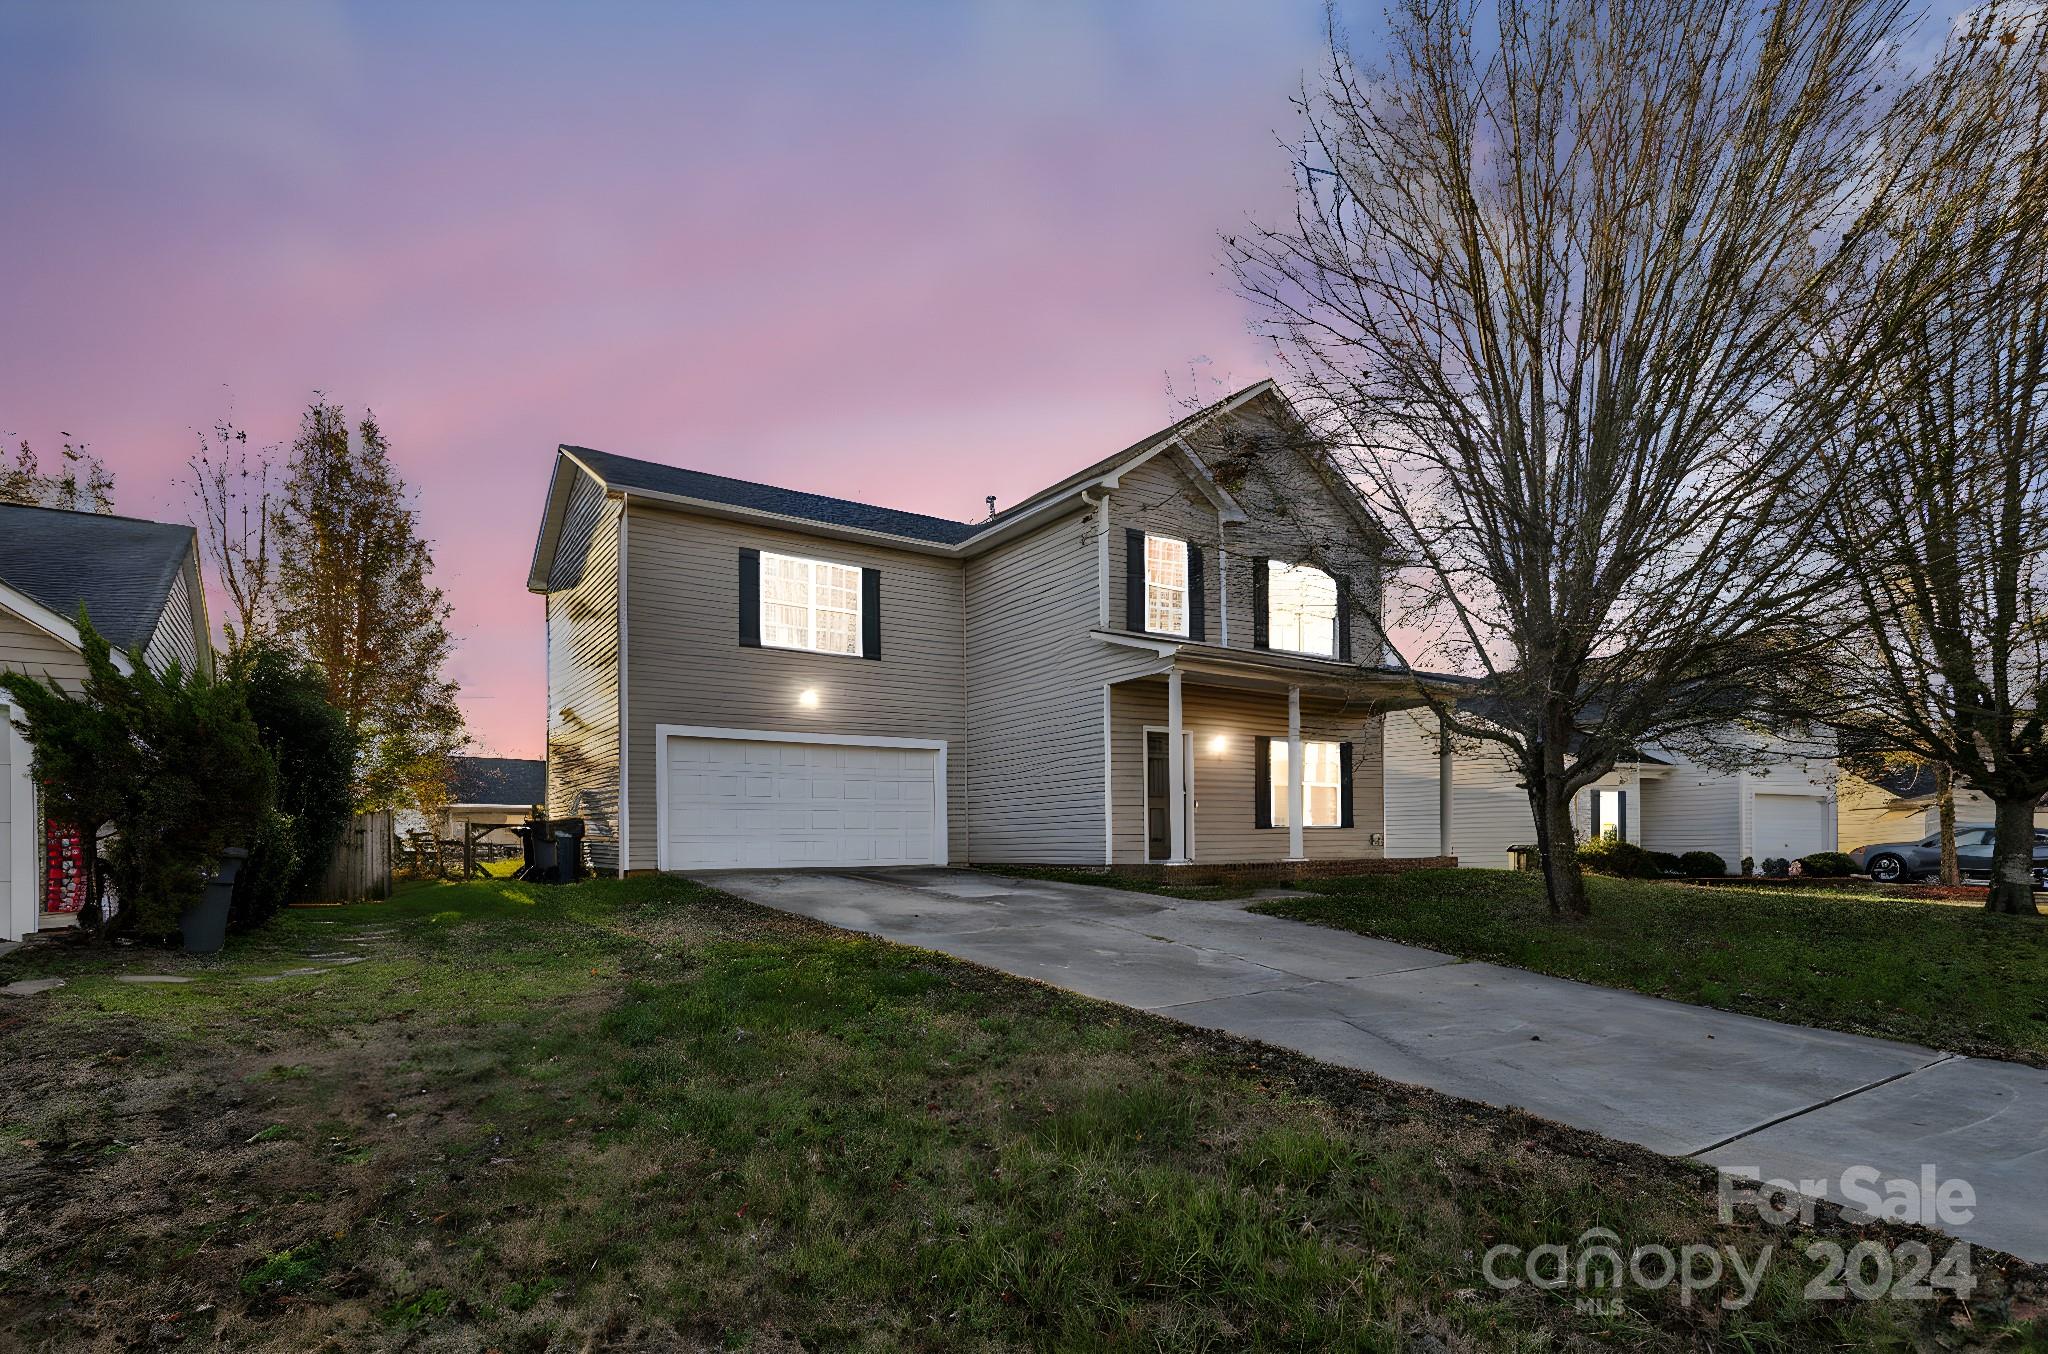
1101,507
1222,582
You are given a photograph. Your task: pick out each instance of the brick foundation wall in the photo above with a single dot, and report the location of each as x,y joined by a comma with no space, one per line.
1278,871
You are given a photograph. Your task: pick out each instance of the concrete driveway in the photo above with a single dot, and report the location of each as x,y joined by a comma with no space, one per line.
1791,1103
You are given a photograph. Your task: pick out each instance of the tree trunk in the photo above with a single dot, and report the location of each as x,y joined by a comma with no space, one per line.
2012,859
1945,802
1557,841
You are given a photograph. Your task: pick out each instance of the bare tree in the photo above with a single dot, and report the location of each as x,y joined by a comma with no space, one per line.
80,482
1566,287
231,496
1944,518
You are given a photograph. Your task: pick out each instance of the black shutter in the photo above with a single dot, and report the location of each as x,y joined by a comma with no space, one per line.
1134,579
870,613
1198,604
1344,624
1262,781
1344,818
1261,636
750,597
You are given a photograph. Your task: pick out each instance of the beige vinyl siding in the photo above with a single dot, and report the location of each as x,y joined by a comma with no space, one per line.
687,666
1868,815
1225,782
1034,681
25,648
1293,515
1410,806
1159,498
583,673
176,638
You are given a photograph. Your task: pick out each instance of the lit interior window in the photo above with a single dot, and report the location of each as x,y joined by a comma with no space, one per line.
1301,609
1322,784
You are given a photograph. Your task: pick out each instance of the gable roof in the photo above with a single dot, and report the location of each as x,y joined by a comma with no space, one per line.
841,516
498,780
625,472
121,568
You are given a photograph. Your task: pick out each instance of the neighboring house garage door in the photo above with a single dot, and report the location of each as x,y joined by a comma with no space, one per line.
738,799
1790,826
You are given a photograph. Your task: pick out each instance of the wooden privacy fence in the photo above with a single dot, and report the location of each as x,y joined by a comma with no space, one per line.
361,867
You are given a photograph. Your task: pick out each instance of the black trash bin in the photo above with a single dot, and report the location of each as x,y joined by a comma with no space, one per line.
568,843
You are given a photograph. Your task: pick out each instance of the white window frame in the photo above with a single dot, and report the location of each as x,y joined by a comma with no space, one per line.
1167,589
1275,568
811,607
1277,774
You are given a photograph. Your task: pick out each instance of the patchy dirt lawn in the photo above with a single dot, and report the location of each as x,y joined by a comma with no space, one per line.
641,1115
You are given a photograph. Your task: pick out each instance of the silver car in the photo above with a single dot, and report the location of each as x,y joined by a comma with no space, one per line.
1909,862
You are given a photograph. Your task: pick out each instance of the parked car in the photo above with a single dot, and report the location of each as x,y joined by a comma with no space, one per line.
1908,862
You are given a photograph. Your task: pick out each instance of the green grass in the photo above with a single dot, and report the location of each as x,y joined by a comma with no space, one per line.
1942,974
642,1114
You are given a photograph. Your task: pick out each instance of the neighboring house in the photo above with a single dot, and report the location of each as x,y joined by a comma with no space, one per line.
1900,806
1136,664
139,581
1782,806
495,791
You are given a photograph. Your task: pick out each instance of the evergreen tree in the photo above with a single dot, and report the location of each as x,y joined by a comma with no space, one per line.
356,598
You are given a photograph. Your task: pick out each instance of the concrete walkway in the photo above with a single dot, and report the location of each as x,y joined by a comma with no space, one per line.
1790,1102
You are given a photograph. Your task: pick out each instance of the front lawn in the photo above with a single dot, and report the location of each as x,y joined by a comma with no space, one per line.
1929,972
641,1114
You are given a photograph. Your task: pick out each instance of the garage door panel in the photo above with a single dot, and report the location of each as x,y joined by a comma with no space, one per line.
770,803
1789,826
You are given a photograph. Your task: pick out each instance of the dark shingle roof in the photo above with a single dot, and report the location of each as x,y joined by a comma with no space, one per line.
498,780
623,472
1913,782
121,568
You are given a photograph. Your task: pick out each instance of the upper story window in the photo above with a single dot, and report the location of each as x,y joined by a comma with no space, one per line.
809,604
1322,784
1301,609
1166,585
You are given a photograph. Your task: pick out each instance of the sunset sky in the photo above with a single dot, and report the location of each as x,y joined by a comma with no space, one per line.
913,253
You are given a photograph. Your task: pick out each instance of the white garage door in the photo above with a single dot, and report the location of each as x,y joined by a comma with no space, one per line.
1790,826
757,803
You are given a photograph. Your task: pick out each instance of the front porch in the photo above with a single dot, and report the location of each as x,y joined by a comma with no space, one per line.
1231,762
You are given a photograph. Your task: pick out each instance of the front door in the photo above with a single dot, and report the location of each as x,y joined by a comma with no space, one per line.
1158,775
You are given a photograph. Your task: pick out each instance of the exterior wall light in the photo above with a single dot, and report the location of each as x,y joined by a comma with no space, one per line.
808,698
1218,745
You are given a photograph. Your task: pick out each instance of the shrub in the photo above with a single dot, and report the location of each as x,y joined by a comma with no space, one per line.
309,742
169,760
1827,865
1748,866
1704,864
1776,867
1623,860
1667,863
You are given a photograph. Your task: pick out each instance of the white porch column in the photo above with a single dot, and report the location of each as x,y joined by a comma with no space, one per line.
1445,796
1176,774
1295,849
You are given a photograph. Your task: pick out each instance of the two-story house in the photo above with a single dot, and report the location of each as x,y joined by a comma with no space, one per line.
1169,656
